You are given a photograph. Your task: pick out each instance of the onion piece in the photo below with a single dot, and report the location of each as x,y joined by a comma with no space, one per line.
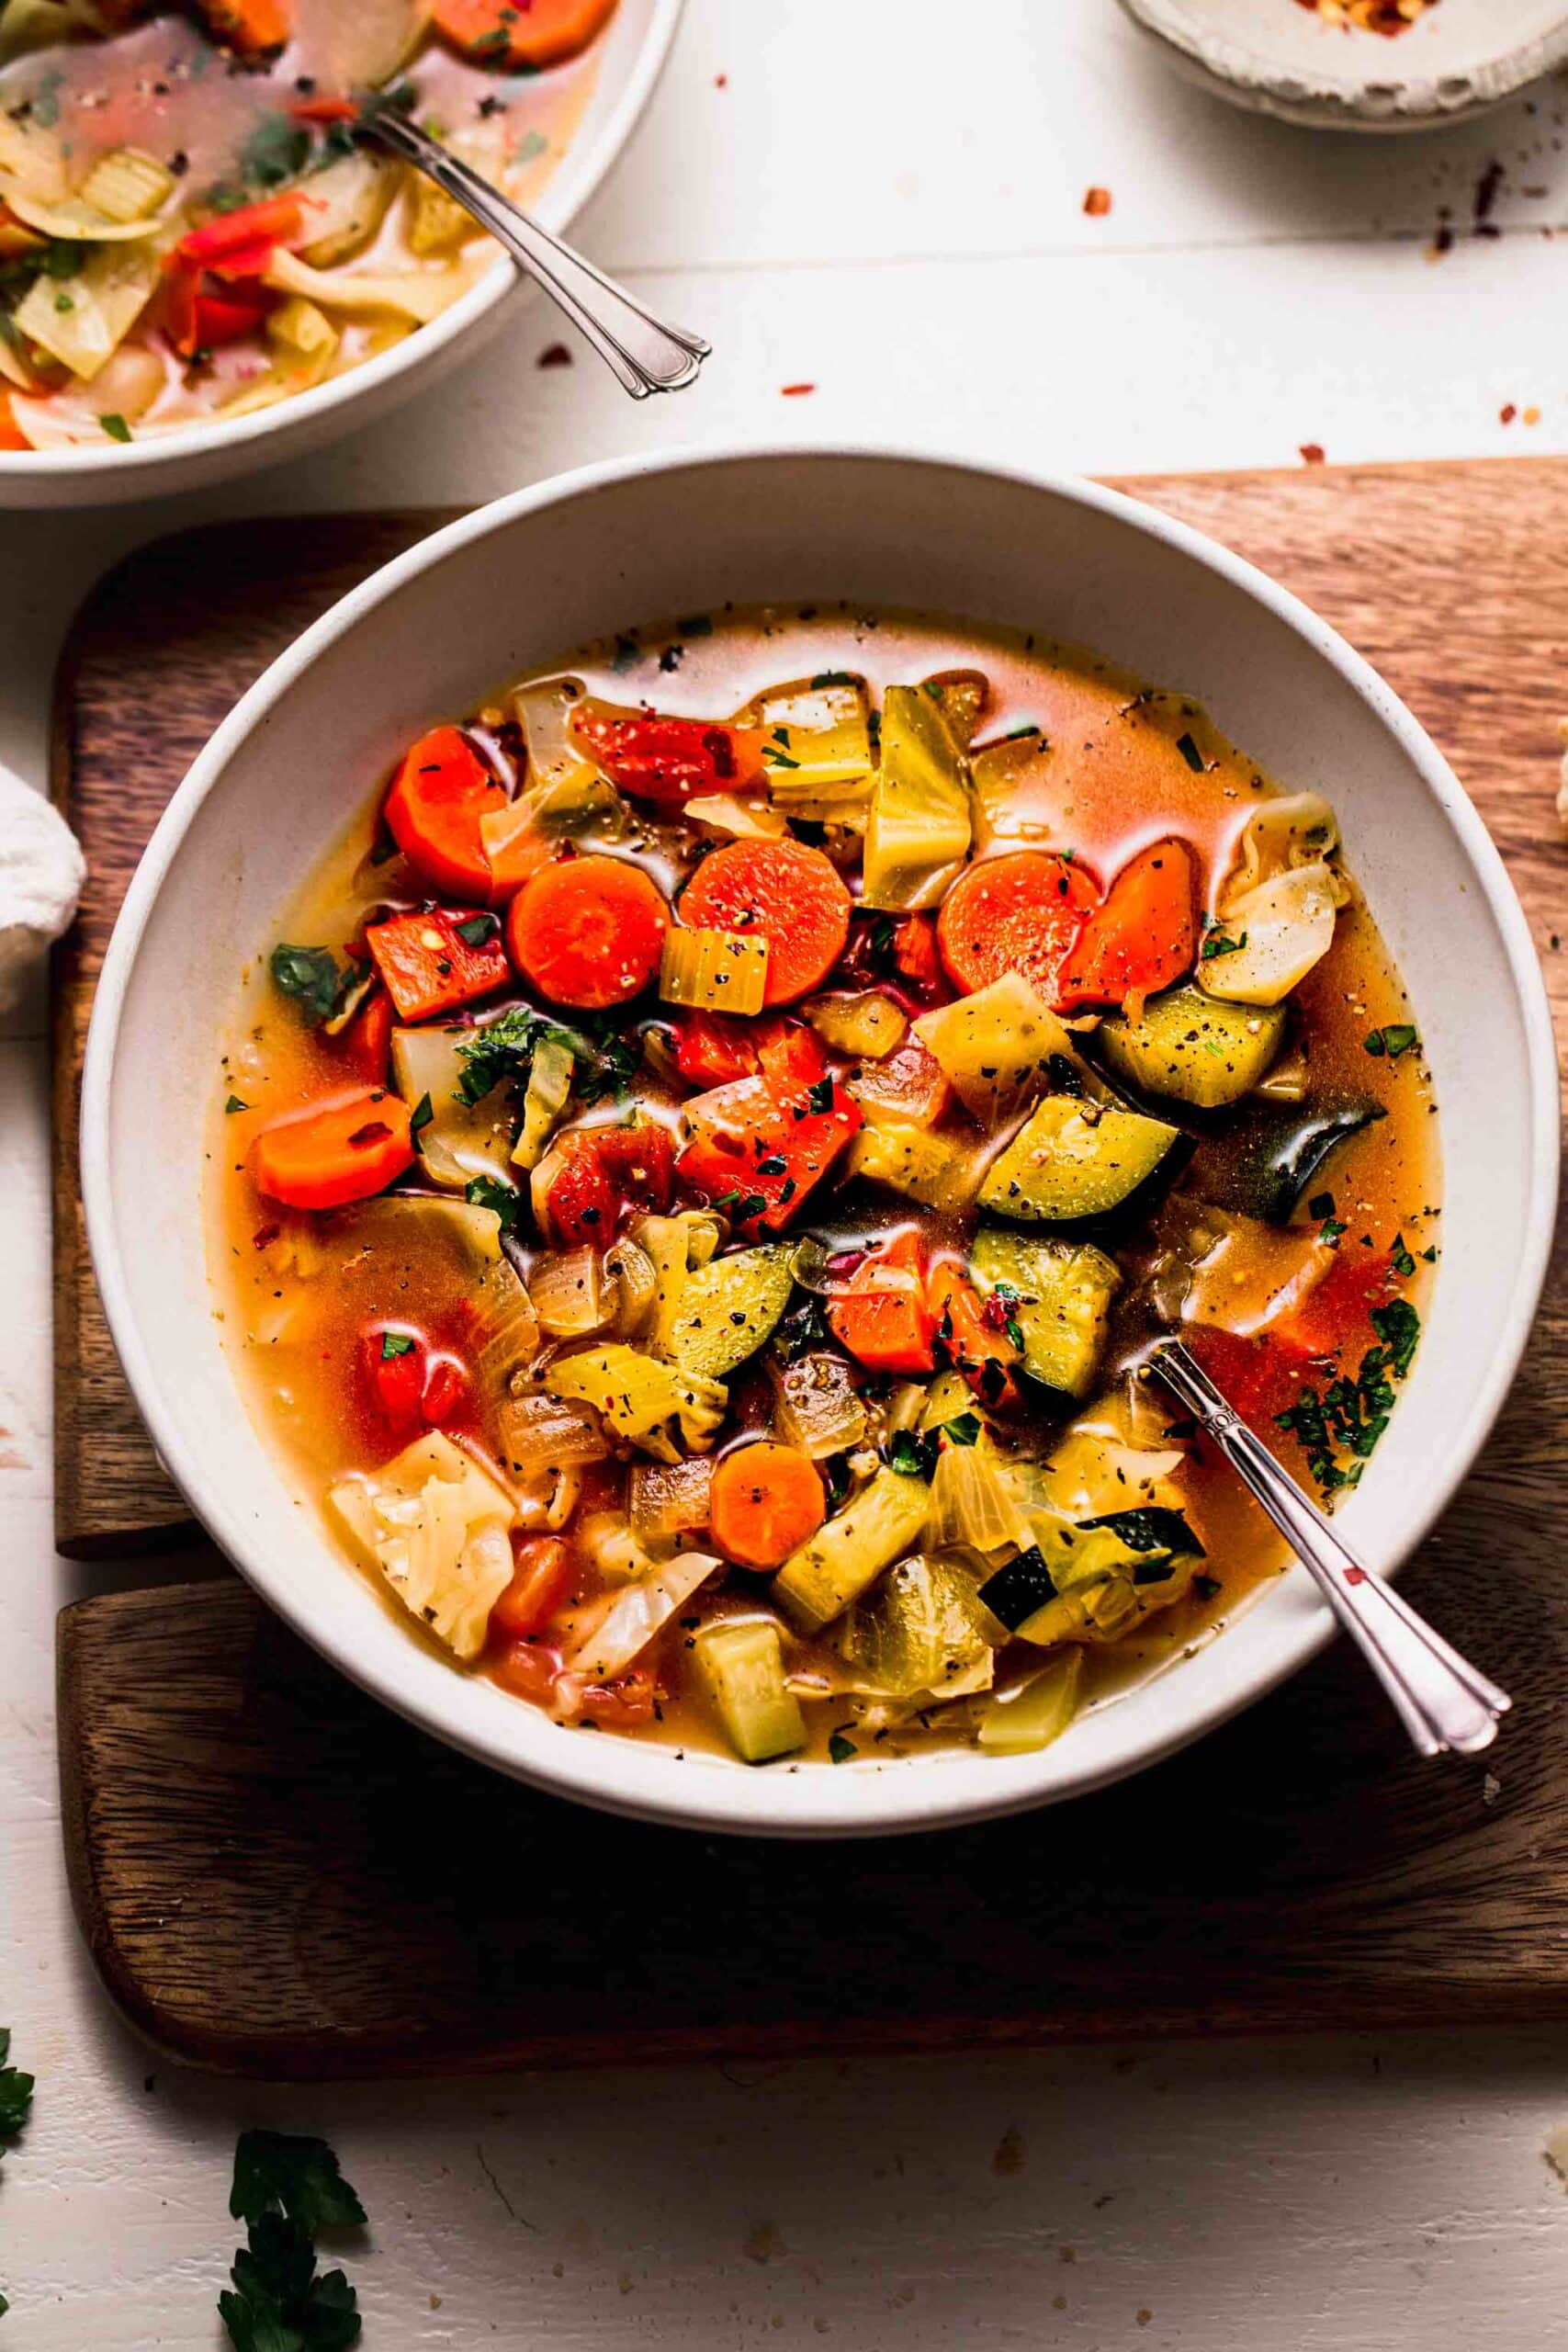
547,1433
668,1499
625,1631
569,1294
818,1409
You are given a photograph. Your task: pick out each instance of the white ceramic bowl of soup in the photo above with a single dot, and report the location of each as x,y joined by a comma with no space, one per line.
513,586
627,59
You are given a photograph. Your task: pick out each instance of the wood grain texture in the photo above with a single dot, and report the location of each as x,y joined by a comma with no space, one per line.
277,1878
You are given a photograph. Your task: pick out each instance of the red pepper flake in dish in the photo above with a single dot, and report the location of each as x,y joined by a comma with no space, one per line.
1312,453
1097,202
795,391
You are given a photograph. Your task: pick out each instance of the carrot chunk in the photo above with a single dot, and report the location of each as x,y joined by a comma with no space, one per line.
1142,938
434,962
760,1148
1019,913
588,932
969,1340
668,761
766,1500
522,32
790,894
252,27
884,1319
433,811
340,1147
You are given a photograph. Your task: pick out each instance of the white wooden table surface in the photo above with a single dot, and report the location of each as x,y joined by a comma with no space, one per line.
882,199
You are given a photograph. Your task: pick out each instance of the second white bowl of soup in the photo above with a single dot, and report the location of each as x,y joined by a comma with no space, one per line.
743,1052
200,271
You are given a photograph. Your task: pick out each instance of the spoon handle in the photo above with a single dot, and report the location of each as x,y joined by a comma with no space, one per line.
1440,1698
646,355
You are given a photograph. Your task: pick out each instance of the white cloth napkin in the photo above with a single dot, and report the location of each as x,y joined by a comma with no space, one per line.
41,873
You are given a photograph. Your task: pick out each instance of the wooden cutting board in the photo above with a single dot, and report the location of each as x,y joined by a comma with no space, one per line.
278,1877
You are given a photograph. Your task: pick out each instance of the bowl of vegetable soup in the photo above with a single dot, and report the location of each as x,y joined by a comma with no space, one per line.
201,270
664,1066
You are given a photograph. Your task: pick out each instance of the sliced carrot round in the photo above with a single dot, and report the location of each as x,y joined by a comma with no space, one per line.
433,809
792,894
540,32
765,1501
1019,913
1142,939
340,1147
588,932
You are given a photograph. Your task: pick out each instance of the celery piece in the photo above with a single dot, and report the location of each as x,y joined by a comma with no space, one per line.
741,1666
723,971
126,186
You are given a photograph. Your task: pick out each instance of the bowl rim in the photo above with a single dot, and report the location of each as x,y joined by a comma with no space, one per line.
565,194
857,1802
1241,68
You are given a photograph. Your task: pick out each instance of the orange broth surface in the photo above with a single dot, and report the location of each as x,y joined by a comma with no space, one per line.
1112,770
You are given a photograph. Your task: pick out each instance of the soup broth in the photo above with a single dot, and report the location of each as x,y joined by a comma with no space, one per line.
693,1179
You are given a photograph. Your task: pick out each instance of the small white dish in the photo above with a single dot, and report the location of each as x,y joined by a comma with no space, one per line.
1276,57
630,58
517,584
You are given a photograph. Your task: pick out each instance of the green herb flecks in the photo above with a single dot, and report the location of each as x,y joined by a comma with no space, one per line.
1339,1429
502,1052
286,2189
804,1328
1217,941
1404,1263
234,1104
277,150
1190,754
914,1455
311,977
490,1193
839,1749
1396,1038
115,426
395,1344
422,1116
964,1429
477,931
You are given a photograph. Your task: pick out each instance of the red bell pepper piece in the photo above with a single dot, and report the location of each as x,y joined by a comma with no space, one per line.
717,1048
668,761
592,1174
429,967
275,220
971,1340
757,1151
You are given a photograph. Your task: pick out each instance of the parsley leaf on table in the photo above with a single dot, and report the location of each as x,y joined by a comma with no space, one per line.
287,2187
16,2103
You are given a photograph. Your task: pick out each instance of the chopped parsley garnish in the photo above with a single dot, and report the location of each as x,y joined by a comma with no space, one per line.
423,1111
310,976
1332,1231
490,1193
1190,754
841,1749
916,1456
1205,1588
115,426
806,1327
1350,1415
833,678
1219,943
1396,1038
697,625
477,930
395,1344
286,2189
276,150
964,1431
819,1097
504,1050
1404,1263
234,1104
1321,1204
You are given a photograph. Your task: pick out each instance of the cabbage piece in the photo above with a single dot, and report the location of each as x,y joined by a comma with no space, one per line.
437,1525
548,1090
73,218
924,1628
1001,1048
1285,831
867,1026
973,1508
419,295
641,1399
1274,934
569,1293
628,1265
619,1638
106,297
721,812
920,830
459,1140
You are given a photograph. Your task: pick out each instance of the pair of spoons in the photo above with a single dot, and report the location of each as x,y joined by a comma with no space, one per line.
1442,1701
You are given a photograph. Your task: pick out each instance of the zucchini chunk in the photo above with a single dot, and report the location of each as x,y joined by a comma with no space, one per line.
730,1307
1017,1723
924,1629
1075,1160
919,832
741,1666
1059,1295
1194,1048
1293,1156
849,1552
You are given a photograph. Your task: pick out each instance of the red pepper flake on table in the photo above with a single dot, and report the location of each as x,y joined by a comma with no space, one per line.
1097,202
1312,453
